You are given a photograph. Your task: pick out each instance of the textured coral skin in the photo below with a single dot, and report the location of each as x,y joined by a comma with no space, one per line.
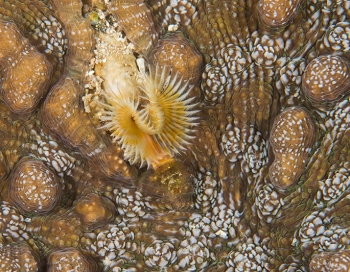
30,68
291,139
215,208
319,72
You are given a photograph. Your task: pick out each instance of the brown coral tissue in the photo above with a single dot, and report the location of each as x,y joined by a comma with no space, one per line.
174,135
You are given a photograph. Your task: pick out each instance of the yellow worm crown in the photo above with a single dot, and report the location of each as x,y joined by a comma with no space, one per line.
154,122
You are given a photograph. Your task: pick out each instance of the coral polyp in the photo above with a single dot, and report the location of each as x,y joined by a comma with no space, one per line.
264,185
326,79
152,122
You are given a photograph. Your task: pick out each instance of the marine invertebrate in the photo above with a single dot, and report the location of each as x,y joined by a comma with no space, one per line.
278,13
34,188
252,77
40,25
95,210
336,38
169,185
62,120
243,262
150,115
29,67
165,56
292,136
69,259
12,225
326,79
160,254
152,123
327,261
61,230
111,244
193,254
18,257
136,20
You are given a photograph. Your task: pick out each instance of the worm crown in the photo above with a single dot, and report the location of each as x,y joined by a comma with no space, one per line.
152,121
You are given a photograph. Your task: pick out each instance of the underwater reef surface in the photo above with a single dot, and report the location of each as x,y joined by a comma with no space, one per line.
174,135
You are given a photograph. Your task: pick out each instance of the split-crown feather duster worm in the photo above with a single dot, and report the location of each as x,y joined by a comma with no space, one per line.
153,122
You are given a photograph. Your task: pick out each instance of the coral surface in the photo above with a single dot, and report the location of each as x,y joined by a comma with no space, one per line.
235,156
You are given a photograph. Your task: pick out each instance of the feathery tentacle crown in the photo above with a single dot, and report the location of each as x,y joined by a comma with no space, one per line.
152,121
